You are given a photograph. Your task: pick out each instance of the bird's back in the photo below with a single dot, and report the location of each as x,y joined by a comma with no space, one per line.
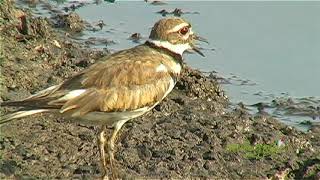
126,81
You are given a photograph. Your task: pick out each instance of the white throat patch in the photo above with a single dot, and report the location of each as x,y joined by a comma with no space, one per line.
176,48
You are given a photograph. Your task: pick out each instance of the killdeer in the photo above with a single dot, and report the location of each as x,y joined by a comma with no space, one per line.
120,87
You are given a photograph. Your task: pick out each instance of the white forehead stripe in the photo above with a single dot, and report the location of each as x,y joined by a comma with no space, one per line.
178,27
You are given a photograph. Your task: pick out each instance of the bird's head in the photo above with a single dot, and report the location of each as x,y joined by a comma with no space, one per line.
174,34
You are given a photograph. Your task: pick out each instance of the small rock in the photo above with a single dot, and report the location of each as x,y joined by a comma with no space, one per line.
8,167
209,165
209,155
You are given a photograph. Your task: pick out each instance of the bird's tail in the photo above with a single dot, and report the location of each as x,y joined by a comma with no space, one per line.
20,114
34,104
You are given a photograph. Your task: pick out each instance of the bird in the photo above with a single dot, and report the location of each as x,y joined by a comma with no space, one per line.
119,87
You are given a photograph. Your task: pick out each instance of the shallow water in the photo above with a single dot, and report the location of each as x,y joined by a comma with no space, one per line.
264,49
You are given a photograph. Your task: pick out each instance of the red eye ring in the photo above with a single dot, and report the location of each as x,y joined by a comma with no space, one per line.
184,30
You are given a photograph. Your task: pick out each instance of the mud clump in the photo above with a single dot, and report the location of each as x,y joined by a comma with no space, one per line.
192,133
70,22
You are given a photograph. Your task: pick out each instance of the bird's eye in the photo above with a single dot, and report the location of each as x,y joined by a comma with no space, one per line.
184,30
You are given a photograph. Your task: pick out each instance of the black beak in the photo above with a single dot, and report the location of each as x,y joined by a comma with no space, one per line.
199,38
195,48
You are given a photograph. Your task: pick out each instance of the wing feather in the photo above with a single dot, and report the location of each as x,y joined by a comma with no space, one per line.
127,80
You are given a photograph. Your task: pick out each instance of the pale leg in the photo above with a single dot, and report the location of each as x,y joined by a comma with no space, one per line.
101,144
111,142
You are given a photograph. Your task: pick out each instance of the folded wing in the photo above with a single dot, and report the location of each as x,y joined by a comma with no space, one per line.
121,83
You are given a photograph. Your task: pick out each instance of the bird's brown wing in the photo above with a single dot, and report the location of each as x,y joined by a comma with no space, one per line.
125,81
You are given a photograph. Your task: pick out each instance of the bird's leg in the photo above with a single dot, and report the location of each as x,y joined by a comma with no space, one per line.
110,149
102,143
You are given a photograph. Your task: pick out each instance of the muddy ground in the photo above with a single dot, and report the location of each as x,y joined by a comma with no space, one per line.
192,133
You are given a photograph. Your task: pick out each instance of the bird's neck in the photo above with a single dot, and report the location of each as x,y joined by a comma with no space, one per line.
166,48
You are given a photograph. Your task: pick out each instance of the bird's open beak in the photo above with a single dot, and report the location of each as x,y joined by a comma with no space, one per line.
197,49
199,38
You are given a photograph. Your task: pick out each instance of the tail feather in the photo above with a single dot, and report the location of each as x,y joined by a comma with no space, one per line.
20,114
39,100
31,104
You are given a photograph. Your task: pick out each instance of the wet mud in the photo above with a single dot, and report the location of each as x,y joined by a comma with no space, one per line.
192,133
